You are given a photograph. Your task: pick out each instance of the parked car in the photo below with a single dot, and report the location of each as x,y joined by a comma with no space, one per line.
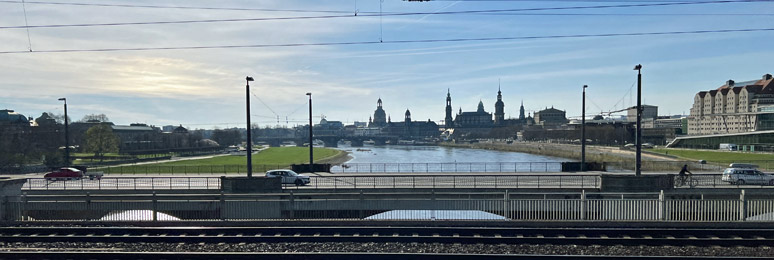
742,175
289,177
65,173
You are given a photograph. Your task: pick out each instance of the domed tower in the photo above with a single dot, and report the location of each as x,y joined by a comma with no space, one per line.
407,119
448,120
499,108
380,117
480,107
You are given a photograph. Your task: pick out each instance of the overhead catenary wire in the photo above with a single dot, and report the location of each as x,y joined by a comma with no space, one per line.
380,14
356,11
180,7
570,36
27,25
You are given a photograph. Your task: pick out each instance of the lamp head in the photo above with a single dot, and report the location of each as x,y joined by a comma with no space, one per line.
62,99
585,86
249,78
638,67
309,94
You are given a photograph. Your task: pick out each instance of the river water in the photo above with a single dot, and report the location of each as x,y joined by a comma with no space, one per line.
438,154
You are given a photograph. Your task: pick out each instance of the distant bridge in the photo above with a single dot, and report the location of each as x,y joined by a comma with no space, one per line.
329,139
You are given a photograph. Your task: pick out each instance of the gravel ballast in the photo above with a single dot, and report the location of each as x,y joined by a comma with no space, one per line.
526,249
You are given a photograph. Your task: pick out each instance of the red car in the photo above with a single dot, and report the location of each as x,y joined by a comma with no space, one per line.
66,173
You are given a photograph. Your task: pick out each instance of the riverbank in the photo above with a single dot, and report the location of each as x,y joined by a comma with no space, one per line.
610,155
339,158
265,159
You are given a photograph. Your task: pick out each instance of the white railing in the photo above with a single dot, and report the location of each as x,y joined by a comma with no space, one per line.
502,206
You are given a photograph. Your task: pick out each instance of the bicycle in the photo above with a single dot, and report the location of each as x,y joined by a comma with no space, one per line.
686,179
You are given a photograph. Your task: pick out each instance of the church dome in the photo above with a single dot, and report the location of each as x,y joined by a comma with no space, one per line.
8,115
480,106
408,113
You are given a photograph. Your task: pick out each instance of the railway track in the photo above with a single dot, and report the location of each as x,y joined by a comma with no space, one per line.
446,235
313,256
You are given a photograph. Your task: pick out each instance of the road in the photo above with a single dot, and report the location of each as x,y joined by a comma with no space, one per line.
589,180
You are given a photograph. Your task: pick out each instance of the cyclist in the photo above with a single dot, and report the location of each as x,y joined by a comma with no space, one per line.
682,177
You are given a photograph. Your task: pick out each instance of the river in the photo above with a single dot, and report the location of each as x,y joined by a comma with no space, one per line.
438,154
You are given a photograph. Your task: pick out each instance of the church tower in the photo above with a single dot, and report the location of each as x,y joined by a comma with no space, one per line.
521,111
380,118
499,108
448,120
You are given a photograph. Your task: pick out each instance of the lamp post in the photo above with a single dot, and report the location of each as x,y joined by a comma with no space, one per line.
67,134
249,131
311,150
638,140
583,131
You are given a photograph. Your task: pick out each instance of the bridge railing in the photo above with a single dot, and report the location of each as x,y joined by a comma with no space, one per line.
453,182
483,206
125,183
448,167
328,182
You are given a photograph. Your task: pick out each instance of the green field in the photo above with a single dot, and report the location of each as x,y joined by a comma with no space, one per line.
716,156
271,158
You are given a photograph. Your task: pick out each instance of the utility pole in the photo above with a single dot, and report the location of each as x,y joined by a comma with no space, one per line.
249,131
638,154
67,134
583,131
311,150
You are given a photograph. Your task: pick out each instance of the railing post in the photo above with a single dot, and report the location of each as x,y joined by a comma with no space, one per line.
155,207
742,206
361,205
222,206
662,206
507,205
292,206
88,203
584,205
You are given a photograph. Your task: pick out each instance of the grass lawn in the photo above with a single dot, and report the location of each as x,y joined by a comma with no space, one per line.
716,156
271,158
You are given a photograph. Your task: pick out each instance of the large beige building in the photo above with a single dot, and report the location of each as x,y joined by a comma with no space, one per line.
734,108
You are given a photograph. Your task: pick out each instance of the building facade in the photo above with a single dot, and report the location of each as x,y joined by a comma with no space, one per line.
735,107
550,116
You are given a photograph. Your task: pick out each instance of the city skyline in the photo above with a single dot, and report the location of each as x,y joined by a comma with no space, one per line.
201,88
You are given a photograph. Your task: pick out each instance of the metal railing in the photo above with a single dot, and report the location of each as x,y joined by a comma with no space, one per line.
453,182
125,183
329,182
503,206
186,169
448,167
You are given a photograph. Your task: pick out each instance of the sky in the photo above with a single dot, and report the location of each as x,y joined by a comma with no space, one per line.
205,87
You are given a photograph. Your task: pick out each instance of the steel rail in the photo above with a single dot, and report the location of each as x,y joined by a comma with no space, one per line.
319,255
466,235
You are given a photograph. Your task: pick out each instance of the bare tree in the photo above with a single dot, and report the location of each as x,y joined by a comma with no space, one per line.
100,140
95,118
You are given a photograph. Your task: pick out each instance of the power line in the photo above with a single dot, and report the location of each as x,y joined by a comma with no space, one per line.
182,7
488,11
396,41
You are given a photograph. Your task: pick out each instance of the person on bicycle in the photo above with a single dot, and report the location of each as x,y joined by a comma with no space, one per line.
684,170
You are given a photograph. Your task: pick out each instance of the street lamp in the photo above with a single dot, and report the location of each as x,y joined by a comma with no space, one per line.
249,130
311,150
583,131
638,140
67,134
